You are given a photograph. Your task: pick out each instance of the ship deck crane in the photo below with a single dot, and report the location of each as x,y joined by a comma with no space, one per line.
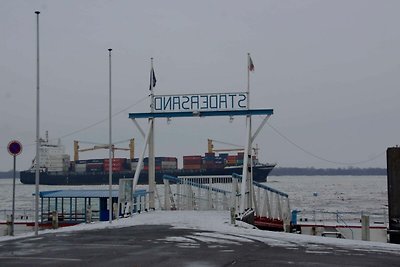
131,149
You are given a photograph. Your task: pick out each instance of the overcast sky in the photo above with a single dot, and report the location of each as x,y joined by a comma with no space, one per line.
329,69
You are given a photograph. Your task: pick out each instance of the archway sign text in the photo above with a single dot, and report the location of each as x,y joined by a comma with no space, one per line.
200,102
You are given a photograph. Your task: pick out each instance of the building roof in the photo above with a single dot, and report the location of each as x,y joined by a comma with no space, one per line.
84,193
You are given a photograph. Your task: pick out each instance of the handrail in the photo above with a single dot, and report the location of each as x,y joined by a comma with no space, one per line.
180,180
263,186
340,217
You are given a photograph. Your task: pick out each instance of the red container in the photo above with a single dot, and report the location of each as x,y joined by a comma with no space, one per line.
190,158
117,164
168,159
114,164
231,159
115,160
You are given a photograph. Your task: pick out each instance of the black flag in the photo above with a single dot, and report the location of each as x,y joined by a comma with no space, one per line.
152,79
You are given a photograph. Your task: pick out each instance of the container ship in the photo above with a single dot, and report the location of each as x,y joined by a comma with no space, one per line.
56,168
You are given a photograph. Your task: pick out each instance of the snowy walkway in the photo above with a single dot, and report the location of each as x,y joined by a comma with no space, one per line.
187,238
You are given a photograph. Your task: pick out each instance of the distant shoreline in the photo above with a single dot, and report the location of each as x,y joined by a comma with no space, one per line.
291,171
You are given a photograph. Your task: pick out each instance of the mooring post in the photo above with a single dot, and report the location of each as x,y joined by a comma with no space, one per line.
54,219
365,231
393,184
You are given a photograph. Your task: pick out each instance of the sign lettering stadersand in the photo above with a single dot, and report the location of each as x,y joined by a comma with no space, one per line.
200,102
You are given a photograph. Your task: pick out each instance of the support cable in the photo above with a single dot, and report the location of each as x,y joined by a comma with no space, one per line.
319,157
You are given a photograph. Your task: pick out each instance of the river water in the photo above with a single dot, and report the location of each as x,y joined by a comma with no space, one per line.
329,193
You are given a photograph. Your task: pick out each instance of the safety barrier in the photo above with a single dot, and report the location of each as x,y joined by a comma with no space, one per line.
271,206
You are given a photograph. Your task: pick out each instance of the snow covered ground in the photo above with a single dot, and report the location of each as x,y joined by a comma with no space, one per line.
218,222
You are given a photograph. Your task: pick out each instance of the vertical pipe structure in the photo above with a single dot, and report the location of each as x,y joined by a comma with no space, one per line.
13,197
109,143
250,139
246,183
140,162
37,159
152,181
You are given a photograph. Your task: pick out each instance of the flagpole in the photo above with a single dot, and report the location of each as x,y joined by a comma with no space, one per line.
37,174
110,144
248,80
250,148
152,186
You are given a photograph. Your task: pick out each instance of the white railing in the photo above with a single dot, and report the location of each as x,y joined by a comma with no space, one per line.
197,192
223,193
266,201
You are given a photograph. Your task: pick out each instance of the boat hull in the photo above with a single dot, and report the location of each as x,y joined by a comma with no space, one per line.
260,174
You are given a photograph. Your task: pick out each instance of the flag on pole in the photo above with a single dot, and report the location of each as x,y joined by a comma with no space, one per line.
251,65
152,79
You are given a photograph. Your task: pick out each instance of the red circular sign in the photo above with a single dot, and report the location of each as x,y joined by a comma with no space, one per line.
14,148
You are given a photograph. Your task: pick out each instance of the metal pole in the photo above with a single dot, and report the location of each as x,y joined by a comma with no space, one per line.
110,143
37,130
13,199
250,148
152,183
245,187
140,162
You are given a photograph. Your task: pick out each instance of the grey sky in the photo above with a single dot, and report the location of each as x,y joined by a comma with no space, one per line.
329,69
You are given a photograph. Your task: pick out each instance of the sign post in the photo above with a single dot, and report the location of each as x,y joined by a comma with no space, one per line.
14,148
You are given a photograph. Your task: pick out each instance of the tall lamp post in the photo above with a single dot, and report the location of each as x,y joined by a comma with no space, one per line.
37,159
110,144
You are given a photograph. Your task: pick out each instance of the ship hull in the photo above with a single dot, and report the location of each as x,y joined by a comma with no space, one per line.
260,174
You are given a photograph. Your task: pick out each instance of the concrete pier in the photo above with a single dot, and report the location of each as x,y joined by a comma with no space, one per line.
164,245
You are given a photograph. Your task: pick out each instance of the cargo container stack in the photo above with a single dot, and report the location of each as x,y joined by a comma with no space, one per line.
219,162
161,163
80,166
118,164
95,165
240,157
231,160
192,162
209,161
169,163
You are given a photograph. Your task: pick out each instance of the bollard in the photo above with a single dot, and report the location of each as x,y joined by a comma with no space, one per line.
9,222
115,211
89,214
233,215
54,219
365,232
